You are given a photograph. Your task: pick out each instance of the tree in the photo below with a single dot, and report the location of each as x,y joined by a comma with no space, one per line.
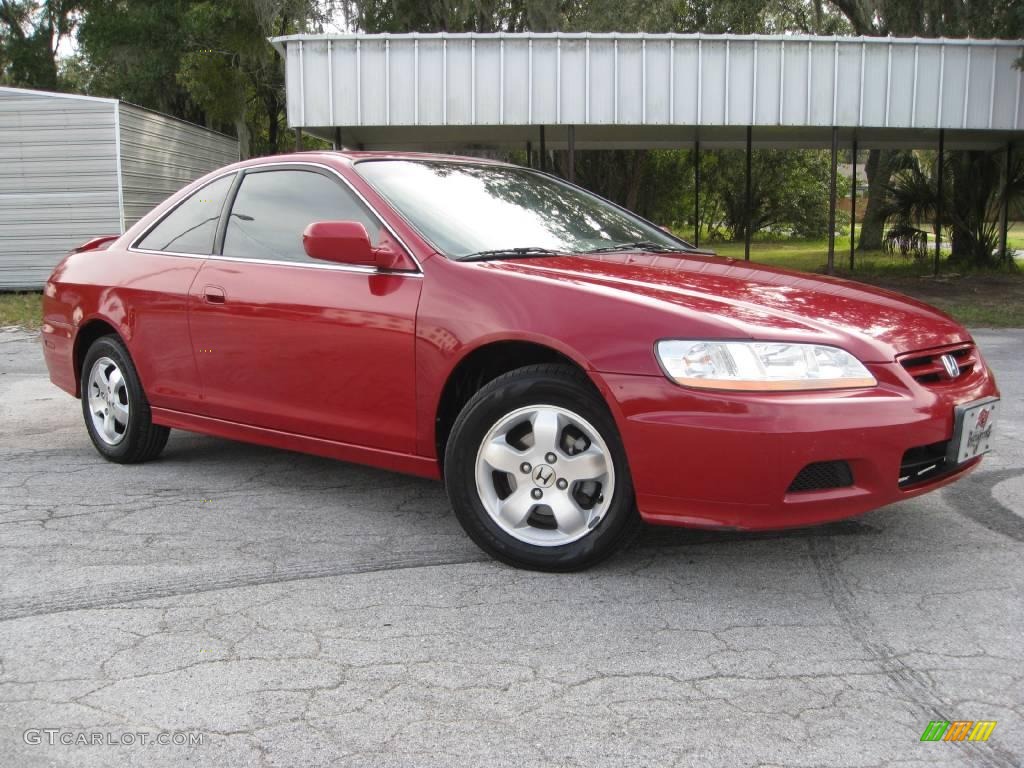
30,33
445,16
975,202
204,61
970,210
133,51
231,70
789,192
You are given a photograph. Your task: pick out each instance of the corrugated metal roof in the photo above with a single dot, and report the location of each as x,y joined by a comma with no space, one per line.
448,86
55,94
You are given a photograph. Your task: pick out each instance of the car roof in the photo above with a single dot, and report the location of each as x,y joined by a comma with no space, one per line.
399,155
358,155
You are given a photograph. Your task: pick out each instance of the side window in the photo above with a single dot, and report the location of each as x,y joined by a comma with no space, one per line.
191,227
272,208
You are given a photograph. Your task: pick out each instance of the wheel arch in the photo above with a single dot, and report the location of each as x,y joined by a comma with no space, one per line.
87,334
486,362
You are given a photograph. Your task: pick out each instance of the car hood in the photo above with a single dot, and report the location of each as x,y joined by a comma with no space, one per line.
737,299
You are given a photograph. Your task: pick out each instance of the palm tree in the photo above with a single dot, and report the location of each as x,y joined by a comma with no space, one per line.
972,200
910,200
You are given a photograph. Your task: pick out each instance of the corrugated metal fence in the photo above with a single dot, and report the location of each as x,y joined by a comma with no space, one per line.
74,167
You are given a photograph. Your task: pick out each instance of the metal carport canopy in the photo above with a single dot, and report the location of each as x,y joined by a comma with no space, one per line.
445,92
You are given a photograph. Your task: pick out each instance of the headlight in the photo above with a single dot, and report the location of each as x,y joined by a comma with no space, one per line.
761,365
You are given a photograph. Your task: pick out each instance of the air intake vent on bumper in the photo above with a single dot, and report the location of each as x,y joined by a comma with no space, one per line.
923,463
822,475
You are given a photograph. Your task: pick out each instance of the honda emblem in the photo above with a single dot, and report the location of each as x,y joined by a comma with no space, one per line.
952,367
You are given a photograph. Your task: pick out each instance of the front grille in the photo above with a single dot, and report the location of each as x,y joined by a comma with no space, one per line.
924,463
822,475
928,367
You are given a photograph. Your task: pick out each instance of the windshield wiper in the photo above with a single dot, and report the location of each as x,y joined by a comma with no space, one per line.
639,245
507,253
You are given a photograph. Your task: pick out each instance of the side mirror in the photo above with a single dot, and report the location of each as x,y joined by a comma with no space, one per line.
342,242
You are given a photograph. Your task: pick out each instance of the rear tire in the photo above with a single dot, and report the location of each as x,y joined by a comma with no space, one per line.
115,408
537,473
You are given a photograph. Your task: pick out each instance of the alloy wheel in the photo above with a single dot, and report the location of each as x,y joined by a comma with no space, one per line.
545,475
109,405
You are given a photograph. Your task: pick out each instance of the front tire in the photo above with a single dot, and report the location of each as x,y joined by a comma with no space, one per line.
537,473
115,408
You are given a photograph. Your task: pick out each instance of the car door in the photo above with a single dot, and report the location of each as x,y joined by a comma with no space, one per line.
153,293
302,346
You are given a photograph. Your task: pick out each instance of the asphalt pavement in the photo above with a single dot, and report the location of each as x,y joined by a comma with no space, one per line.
284,610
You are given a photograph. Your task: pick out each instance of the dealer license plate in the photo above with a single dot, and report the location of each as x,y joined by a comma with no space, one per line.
973,432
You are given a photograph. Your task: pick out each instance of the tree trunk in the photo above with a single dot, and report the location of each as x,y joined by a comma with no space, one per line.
242,129
959,240
634,177
879,172
972,190
272,132
273,118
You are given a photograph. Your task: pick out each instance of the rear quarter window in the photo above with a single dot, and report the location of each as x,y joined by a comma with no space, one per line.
192,226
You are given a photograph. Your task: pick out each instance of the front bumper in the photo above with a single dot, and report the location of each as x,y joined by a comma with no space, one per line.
727,460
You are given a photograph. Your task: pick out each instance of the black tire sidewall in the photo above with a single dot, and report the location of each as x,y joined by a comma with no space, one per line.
138,410
502,396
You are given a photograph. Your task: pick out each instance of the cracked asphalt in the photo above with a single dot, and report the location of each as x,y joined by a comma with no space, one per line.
298,611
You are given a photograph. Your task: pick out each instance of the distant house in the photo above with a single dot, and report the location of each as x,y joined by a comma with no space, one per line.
74,167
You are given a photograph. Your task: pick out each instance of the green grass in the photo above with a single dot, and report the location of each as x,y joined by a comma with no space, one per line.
984,314
812,256
1015,236
22,309
805,255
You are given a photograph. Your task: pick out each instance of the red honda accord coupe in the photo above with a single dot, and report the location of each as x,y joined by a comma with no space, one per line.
568,368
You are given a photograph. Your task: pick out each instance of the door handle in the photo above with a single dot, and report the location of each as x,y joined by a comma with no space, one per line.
214,294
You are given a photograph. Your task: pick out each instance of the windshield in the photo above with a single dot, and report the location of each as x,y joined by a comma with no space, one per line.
469,210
